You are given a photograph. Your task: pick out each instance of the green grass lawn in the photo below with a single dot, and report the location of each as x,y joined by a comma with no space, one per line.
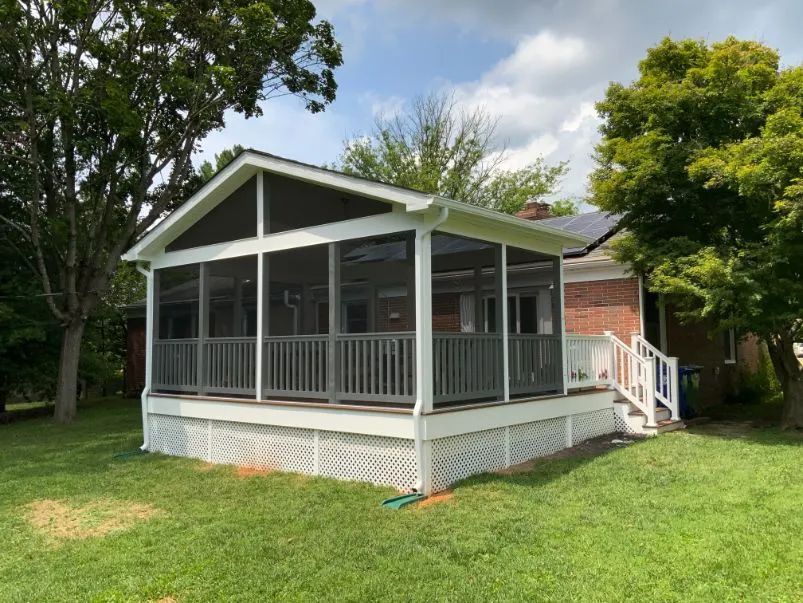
709,514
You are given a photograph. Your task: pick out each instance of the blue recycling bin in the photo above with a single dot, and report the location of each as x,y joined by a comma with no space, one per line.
689,390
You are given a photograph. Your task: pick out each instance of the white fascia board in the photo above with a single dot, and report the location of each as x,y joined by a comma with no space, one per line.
336,418
596,270
512,223
346,230
457,422
466,225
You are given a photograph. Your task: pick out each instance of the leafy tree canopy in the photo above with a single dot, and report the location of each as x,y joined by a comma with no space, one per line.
104,103
703,155
222,159
439,149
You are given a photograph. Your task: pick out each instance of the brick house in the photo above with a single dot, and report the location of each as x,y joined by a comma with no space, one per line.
599,295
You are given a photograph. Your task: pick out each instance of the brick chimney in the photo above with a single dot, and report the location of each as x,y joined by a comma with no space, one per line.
535,210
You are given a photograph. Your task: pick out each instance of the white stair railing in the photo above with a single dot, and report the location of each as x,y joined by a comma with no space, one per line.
664,373
634,377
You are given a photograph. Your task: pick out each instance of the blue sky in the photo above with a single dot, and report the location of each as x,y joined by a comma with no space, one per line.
537,65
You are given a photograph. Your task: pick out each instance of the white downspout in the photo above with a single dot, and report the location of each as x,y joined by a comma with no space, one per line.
419,402
146,390
294,308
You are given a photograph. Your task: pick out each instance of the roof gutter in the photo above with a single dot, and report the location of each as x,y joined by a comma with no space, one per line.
423,483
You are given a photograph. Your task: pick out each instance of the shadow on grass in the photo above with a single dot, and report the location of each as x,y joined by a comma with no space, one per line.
542,470
759,423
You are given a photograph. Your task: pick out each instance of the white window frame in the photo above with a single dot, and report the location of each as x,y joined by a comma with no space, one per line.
730,358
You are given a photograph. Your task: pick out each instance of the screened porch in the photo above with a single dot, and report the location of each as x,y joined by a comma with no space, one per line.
338,323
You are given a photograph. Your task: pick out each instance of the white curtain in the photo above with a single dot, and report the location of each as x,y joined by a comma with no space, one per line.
467,313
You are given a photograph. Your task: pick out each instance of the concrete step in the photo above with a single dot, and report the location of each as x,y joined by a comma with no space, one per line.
664,426
661,414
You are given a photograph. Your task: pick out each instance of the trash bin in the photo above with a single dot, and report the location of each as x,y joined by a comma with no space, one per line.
689,382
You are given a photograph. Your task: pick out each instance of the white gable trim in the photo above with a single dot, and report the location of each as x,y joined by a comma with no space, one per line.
249,163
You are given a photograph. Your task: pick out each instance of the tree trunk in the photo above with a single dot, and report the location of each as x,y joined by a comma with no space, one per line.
790,375
67,385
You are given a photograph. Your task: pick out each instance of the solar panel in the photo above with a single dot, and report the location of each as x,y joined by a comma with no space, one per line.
593,225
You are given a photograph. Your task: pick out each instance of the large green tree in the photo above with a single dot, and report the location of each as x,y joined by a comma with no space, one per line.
703,155
440,149
104,102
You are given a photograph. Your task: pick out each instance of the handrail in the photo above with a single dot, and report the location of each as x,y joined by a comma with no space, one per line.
666,373
634,378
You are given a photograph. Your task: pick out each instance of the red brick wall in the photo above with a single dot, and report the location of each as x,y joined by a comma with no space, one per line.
135,357
693,343
446,312
388,306
592,307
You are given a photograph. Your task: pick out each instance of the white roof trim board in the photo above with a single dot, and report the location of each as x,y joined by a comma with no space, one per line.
249,162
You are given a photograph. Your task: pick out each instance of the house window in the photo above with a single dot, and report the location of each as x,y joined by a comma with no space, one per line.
729,345
489,309
522,313
354,316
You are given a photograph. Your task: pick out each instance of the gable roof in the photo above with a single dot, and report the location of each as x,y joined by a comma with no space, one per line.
596,226
250,161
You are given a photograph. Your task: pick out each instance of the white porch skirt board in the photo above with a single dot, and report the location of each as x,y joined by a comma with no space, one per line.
379,460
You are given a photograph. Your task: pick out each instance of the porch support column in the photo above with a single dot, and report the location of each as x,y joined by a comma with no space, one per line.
334,320
203,324
500,314
423,320
260,342
558,321
151,324
505,322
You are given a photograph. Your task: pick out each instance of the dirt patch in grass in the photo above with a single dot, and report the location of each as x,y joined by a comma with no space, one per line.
589,448
59,520
252,471
204,467
436,499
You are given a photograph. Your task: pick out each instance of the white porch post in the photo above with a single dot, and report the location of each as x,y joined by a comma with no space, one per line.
423,320
334,319
203,324
151,332
560,322
260,343
505,352
674,393
649,390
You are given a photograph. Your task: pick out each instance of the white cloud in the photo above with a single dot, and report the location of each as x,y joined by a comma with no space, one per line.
285,129
537,116
540,55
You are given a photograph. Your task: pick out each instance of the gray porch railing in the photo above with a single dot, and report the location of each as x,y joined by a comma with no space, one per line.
230,365
466,366
377,367
534,363
175,365
296,366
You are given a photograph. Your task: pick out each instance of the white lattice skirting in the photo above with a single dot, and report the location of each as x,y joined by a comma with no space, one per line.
458,457
375,459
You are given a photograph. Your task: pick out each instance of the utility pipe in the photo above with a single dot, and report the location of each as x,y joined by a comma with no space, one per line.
294,308
146,390
443,215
